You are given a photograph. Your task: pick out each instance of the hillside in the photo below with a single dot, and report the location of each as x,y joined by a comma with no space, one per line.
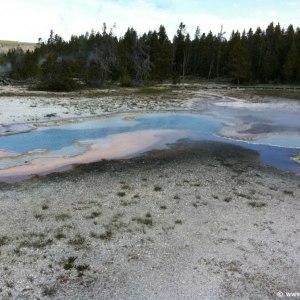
6,45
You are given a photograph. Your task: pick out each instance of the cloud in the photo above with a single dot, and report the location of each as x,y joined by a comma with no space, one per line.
28,20
294,4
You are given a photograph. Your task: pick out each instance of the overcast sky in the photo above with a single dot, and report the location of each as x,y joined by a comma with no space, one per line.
29,20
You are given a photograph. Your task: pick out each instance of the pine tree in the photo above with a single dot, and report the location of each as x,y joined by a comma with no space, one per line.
99,57
290,67
178,45
270,66
196,53
238,62
135,59
162,63
55,74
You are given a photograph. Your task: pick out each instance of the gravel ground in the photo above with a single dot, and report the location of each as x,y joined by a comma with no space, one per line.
204,221
19,106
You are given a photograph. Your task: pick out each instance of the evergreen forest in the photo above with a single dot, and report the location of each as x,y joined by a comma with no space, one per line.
100,58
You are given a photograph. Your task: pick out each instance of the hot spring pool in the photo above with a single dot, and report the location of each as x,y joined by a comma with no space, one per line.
275,134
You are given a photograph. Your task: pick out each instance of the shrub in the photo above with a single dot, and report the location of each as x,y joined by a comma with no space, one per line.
126,81
55,74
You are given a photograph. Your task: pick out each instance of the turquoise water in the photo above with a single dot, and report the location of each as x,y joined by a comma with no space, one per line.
61,140
56,138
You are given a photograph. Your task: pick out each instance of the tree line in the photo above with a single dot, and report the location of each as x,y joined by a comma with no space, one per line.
98,58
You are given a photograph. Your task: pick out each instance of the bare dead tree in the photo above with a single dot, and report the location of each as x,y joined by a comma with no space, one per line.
220,40
141,60
106,54
210,68
186,57
4,80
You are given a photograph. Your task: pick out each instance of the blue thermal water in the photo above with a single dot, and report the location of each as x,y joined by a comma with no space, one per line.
55,138
60,140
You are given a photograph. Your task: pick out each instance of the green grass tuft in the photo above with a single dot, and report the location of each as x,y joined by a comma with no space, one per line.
62,217
93,215
145,221
78,240
106,236
288,94
3,240
125,187
60,235
38,244
227,199
70,262
81,268
256,204
291,193
153,91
